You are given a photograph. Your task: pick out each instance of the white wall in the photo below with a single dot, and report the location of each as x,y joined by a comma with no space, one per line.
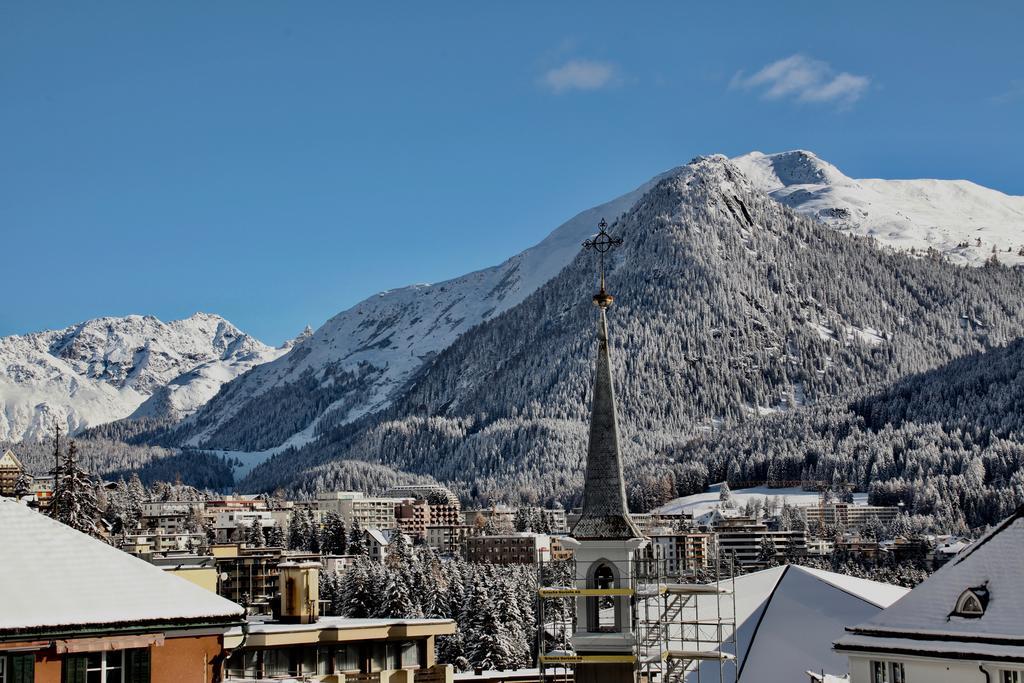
927,670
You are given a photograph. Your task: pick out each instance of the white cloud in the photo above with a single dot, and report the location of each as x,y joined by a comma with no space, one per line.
804,79
580,74
1015,91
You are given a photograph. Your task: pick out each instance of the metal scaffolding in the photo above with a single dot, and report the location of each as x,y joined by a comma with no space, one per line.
684,625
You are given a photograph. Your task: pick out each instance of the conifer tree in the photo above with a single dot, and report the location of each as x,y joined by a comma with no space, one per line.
357,540
254,537
76,506
297,539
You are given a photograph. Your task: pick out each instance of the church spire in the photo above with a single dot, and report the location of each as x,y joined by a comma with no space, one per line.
605,513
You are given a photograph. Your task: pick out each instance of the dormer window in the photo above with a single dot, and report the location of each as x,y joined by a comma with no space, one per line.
971,603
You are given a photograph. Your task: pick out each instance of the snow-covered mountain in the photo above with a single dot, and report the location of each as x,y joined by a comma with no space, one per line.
105,369
358,361
958,218
729,308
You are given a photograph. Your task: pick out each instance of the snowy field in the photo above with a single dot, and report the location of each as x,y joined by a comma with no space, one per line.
699,503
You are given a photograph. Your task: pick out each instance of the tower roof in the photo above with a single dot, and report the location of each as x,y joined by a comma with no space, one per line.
605,513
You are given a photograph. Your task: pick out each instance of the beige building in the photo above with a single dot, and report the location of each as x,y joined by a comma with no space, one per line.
519,548
680,551
10,469
448,539
353,506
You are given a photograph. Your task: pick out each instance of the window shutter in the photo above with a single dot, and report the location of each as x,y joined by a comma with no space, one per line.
74,668
137,666
23,668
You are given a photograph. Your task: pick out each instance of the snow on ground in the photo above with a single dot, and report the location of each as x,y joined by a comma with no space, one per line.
699,503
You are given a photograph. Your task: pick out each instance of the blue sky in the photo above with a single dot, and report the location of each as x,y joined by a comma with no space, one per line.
277,162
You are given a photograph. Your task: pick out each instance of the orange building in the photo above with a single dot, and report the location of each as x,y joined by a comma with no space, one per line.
75,610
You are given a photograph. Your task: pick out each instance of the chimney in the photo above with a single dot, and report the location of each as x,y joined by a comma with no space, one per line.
299,583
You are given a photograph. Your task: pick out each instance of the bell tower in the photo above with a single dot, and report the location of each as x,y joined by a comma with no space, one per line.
605,540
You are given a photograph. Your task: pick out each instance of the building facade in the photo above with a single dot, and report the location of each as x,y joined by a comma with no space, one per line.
962,623
519,548
76,610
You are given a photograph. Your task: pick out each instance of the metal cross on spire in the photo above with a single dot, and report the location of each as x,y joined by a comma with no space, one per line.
602,244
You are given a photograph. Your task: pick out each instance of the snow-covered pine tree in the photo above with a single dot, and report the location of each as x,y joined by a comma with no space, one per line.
335,535
254,537
768,550
297,539
76,505
275,537
312,527
137,496
23,486
356,592
725,496
357,540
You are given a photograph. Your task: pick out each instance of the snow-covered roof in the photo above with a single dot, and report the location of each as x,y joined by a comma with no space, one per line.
787,618
992,566
53,577
10,461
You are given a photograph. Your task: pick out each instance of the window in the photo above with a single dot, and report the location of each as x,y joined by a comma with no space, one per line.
879,673
346,658
19,668
971,603
120,666
1012,677
898,675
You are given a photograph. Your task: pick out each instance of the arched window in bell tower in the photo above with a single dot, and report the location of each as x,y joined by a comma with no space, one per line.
603,610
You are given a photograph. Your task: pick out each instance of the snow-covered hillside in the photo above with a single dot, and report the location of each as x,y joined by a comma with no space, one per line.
105,369
357,361
956,217
388,336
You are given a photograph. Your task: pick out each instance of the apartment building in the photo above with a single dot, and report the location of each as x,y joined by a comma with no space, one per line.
519,548
849,515
741,537
353,506
448,539
680,551
230,527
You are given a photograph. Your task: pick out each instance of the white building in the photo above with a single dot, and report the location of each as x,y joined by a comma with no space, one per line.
963,623
226,524
353,506
787,618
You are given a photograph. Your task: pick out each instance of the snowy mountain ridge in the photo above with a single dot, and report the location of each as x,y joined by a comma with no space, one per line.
107,368
958,218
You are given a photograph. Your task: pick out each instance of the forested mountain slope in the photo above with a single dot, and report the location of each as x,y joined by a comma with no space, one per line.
728,305
359,359
948,442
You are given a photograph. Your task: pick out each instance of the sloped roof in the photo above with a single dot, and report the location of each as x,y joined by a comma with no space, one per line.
995,562
10,460
787,618
605,512
53,577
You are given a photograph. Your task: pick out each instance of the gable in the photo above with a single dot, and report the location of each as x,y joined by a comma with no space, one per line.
995,562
